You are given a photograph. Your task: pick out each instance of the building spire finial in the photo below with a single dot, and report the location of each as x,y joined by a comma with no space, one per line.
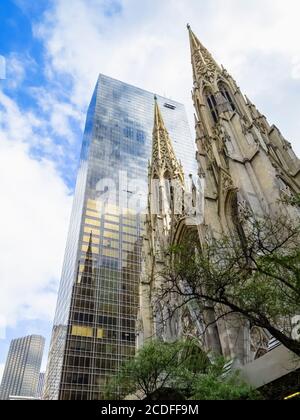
204,65
163,154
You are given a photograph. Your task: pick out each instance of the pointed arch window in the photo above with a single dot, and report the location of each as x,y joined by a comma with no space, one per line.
172,195
225,93
160,200
213,106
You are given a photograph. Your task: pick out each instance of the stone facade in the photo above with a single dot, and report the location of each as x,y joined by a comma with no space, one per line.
247,165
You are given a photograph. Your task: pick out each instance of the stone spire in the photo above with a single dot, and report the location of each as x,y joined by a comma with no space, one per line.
204,65
164,161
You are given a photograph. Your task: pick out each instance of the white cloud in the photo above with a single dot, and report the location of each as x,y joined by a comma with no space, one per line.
296,67
3,324
2,67
34,219
147,45
51,114
17,65
59,112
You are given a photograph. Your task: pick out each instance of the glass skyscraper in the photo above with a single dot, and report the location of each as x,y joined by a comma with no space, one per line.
22,368
94,327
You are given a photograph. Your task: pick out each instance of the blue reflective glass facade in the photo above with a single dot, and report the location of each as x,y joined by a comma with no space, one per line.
94,326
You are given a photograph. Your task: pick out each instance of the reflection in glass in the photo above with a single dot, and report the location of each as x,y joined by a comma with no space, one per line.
94,326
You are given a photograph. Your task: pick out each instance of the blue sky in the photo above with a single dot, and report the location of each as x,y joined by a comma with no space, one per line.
28,85
53,55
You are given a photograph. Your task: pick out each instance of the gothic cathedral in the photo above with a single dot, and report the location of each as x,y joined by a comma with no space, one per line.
246,164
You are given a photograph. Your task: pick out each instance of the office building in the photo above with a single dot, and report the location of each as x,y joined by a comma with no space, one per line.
22,368
95,323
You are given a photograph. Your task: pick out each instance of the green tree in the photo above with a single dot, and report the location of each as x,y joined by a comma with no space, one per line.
217,385
254,272
179,371
155,367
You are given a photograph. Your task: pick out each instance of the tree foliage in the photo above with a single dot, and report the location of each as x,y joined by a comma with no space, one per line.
254,272
212,387
180,370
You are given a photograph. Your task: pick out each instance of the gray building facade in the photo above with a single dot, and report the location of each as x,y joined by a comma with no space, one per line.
22,368
40,387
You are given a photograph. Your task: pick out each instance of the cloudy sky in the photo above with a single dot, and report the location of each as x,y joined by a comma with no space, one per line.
54,50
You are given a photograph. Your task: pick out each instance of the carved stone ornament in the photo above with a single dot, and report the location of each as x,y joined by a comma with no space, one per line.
286,192
219,131
227,183
209,151
244,211
245,125
205,67
225,73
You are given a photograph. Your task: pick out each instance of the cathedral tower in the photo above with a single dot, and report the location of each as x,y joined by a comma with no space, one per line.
165,186
247,165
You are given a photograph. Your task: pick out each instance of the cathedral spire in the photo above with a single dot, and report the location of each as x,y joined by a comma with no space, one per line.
88,262
85,277
204,65
89,253
164,160
158,119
